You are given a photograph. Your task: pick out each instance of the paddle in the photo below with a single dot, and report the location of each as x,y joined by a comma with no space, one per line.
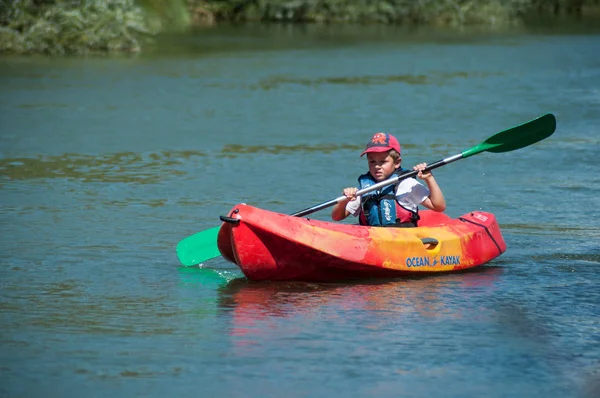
203,245
199,247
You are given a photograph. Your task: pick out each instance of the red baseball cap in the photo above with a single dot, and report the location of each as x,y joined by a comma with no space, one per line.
382,142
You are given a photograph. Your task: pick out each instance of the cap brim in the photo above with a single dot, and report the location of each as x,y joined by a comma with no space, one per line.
377,149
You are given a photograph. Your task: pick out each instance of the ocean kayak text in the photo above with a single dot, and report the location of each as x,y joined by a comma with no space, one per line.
413,262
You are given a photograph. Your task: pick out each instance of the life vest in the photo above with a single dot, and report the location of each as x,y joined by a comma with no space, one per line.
380,208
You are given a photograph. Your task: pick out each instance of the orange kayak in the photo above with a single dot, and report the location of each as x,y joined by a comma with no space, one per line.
272,246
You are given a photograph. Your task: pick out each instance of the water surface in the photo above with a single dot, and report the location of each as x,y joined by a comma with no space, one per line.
105,164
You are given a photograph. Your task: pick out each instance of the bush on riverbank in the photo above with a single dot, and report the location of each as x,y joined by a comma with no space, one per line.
437,12
58,27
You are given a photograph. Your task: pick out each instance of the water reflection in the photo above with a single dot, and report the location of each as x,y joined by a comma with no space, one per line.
146,168
439,78
74,306
117,167
545,228
254,303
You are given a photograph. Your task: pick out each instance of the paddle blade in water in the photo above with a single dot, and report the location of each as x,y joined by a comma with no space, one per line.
517,137
199,247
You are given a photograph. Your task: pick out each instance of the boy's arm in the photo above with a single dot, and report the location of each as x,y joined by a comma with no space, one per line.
339,211
435,201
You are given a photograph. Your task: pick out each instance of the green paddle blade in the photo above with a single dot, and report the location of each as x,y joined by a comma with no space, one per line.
199,247
517,137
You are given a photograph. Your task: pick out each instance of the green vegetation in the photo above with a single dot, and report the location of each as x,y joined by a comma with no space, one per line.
58,27
438,12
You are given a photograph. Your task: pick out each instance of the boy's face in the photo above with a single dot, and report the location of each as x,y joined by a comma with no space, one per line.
381,165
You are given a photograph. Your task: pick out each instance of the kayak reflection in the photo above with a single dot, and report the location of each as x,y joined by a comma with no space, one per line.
257,306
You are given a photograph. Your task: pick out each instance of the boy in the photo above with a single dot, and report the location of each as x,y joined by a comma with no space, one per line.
386,207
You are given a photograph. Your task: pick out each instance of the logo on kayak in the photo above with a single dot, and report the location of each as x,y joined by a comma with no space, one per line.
480,217
414,262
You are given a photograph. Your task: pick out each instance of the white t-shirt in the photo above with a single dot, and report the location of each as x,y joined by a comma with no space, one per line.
410,193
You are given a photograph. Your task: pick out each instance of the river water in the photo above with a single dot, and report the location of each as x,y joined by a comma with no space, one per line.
105,164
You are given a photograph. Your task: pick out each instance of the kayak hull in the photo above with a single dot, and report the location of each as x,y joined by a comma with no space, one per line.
272,246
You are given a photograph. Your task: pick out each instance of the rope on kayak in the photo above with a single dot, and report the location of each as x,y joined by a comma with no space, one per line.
486,230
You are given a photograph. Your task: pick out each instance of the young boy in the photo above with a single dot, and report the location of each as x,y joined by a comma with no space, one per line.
386,207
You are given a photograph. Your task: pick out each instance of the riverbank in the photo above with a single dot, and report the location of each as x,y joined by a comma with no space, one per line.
402,12
78,27
55,27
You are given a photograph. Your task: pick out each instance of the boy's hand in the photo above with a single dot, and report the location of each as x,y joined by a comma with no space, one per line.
350,193
424,175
